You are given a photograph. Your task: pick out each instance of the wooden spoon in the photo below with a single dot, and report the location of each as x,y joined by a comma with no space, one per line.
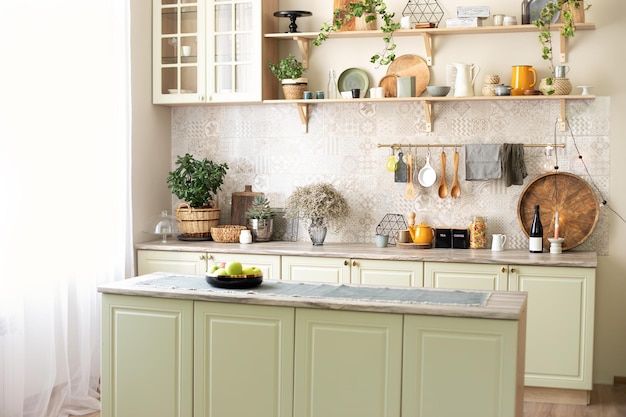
409,192
443,187
455,191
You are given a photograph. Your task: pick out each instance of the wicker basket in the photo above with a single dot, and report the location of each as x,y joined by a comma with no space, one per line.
559,87
294,91
196,222
226,233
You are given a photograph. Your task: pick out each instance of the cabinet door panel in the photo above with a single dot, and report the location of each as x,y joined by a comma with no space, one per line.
560,325
347,364
312,269
462,276
387,273
440,379
243,360
147,357
187,263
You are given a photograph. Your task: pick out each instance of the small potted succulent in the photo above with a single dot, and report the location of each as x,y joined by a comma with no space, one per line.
289,72
260,219
571,12
196,182
366,11
321,204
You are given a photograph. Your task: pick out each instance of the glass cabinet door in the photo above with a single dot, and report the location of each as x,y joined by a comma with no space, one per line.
178,51
234,50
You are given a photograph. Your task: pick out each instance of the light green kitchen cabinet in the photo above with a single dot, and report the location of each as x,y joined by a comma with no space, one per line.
561,303
212,51
186,263
197,263
347,364
355,271
450,275
147,357
243,360
438,378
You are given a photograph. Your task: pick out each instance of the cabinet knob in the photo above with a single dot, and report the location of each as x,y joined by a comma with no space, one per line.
512,269
503,269
353,263
346,263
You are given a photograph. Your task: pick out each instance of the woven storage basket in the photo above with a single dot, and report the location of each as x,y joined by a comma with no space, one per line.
226,233
196,222
294,91
560,86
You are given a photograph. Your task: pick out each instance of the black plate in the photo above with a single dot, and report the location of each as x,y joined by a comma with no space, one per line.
234,283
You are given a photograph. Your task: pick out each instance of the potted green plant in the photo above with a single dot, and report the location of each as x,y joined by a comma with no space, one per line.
260,219
368,10
568,10
321,205
196,182
289,72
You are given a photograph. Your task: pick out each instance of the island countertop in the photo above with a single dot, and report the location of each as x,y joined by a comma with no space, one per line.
502,305
370,251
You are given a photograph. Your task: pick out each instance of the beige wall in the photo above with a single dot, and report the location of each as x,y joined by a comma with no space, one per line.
594,57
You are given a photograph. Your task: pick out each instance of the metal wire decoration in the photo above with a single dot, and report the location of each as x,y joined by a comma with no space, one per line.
423,11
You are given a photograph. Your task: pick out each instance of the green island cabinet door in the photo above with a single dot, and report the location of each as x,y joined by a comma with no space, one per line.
243,360
147,355
347,364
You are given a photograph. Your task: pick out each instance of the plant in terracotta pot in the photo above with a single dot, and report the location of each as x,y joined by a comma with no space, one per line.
321,205
289,72
260,219
549,14
368,10
196,182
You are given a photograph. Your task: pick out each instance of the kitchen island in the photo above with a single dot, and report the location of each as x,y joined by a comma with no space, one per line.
175,346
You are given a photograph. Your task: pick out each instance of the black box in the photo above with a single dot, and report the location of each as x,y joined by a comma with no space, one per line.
460,238
443,238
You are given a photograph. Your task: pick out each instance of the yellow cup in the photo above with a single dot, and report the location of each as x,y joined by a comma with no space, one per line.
523,77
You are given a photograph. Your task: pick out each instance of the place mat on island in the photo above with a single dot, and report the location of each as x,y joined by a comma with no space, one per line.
334,291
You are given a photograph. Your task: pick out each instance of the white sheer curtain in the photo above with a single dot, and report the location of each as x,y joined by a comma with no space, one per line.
65,205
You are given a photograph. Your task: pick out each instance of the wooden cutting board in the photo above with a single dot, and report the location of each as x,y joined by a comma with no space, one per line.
411,65
574,199
341,4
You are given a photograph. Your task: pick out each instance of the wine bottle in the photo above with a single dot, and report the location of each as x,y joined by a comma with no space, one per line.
535,243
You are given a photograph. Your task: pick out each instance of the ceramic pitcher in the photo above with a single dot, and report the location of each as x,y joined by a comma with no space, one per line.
523,77
465,76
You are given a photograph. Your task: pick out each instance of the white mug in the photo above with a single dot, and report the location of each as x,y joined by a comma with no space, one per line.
405,22
186,50
497,242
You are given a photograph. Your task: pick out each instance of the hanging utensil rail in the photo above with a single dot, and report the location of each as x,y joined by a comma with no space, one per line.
397,146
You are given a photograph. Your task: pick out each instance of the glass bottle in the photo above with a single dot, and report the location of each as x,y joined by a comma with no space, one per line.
332,85
535,242
525,12
478,233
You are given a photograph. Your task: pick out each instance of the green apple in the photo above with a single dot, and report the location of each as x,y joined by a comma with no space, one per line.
214,268
248,271
220,272
234,268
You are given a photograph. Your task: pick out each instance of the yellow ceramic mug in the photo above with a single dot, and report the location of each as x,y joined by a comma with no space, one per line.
524,77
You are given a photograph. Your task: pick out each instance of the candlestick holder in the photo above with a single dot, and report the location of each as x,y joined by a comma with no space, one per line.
556,244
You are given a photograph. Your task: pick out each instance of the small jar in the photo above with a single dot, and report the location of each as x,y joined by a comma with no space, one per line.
245,236
478,232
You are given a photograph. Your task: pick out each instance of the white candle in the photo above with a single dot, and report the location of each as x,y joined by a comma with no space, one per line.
556,225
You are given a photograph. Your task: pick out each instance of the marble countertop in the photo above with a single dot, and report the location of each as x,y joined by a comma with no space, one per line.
501,305
370,251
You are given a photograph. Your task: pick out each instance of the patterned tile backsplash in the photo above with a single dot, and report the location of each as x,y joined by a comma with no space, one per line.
264,145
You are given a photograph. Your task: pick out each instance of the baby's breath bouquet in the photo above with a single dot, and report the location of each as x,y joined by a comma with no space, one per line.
319,203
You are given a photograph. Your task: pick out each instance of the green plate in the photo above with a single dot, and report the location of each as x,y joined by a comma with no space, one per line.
353,78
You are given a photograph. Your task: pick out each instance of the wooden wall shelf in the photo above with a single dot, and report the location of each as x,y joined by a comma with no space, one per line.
427,102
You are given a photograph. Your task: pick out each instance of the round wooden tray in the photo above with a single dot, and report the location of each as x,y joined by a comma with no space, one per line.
566,193
411,65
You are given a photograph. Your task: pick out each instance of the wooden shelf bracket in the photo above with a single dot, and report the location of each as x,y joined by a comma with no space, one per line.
303,112
428,115
562,116
428,47
304,45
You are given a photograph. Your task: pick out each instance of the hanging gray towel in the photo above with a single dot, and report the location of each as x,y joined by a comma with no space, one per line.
513,165
483,162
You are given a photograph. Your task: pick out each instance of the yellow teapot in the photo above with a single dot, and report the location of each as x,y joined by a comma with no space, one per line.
421,233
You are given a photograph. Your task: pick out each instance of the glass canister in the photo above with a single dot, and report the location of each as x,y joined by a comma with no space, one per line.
478,232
